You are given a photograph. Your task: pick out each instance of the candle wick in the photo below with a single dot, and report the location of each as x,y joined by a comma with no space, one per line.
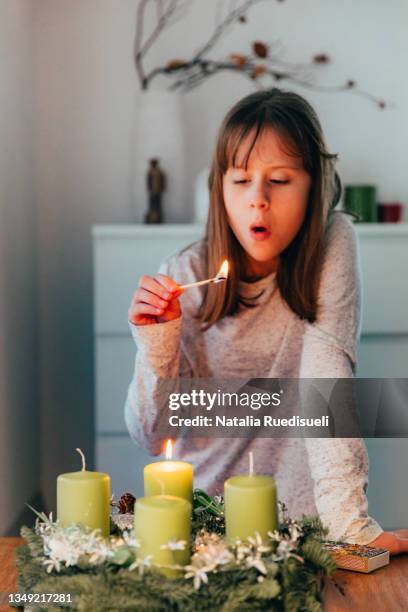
83,458
251,463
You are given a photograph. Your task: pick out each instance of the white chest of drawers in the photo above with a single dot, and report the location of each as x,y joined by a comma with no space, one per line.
124,253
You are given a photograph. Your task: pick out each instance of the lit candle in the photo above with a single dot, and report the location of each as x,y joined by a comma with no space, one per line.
162,525
169,477
84,497
250,505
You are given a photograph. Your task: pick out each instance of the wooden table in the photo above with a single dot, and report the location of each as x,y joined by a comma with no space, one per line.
8,570
384,590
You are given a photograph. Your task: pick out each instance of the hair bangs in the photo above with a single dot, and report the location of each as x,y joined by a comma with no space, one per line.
292,140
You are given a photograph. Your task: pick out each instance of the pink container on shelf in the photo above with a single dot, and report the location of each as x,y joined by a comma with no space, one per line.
390,212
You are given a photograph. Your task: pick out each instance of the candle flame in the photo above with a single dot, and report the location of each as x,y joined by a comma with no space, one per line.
169,449
223,271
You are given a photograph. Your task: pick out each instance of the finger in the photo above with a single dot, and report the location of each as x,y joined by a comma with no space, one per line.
144,309
154,286
177,293
146,297
168,282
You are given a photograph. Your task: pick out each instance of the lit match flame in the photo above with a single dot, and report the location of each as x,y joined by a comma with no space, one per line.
169,449
223,271
221,276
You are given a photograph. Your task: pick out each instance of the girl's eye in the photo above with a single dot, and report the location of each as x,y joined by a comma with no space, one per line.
272,181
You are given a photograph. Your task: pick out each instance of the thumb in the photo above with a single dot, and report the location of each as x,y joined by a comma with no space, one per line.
177,292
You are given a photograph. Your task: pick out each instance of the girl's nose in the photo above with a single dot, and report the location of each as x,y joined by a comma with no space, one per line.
259,194
259,204
259,200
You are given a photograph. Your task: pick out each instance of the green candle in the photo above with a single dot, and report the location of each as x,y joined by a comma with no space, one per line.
169,477
84,497
161,519
250,506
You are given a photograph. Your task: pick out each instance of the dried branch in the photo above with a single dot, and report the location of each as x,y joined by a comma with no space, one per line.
138,40
191,79
264,60
230,19
164,15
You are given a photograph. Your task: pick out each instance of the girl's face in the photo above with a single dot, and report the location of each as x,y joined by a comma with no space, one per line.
266,203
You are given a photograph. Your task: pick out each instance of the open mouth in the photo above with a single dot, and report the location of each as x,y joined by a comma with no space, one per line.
259,231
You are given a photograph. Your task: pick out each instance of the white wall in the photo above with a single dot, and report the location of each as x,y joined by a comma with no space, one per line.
19,417
87,95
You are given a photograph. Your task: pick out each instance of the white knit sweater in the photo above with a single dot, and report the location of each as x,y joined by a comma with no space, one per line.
324,476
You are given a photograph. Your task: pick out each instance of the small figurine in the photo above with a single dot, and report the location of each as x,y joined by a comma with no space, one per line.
156,184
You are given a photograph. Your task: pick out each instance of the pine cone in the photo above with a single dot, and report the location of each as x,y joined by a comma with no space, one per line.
127,503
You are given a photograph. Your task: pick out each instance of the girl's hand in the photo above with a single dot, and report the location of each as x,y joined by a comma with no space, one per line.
155,301
394,541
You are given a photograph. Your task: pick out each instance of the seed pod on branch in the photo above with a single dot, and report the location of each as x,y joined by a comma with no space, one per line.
260,49
238,60
174,64
258,70
321,58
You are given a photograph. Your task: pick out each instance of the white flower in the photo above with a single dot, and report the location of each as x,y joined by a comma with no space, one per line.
295,532
129,538
141,564
52,564
198,574
99,553
213,555
284,551
60,550
242,550
222,555
257,563
258,545
66,545
210,552
275,536
173,544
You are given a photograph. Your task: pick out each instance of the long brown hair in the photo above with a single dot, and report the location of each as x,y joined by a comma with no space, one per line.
295,121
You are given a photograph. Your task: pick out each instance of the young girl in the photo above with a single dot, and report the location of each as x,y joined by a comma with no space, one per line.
290,308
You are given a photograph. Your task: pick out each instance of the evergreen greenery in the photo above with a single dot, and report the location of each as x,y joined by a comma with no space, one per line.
293,582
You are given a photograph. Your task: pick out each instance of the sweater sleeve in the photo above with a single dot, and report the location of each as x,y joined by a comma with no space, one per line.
339,467
159,364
